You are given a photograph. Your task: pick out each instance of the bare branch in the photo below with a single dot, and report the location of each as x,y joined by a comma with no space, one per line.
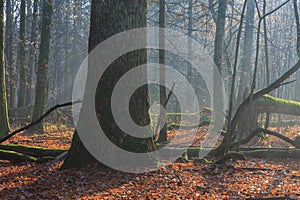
38,120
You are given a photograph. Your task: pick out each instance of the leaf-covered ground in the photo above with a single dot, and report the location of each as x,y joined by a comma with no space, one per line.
237,180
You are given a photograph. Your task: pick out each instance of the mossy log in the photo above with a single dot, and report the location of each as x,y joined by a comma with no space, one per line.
33,151
20,153
269,104
187,127
194,152
16,157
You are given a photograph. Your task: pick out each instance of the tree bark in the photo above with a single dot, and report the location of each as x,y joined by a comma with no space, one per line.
218,59
245,66
42,73
297,91
4,123
163,137
107,19
9,53
32,52
22,56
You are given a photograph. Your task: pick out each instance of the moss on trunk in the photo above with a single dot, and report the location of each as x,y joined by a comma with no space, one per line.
4,123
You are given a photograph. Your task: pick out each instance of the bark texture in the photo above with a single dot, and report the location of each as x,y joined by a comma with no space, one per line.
4,124
22,56
107,19
42,73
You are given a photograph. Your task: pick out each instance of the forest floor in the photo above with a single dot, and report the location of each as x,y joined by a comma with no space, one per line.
251,178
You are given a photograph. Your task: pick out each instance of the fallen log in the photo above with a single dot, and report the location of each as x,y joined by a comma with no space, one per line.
295,143
271,154
188,127
16,157
194,152
37,152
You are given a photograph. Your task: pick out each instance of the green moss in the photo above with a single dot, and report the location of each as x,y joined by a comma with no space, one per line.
268,99
32,151
15,156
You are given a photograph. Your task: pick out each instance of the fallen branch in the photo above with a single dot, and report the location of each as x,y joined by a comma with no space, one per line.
38,120
261,130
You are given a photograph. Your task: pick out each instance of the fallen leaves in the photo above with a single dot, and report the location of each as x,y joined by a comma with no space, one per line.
244,179
179,181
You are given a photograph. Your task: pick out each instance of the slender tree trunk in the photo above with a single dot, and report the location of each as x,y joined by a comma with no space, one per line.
32,52
245,66
22,56
67,41
107,19
59,47
163,137
9,53
220,34
190,32
268,115
218,59
4,123
42,72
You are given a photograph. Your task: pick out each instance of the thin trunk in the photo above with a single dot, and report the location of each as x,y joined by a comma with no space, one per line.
229,136
9,53
21,63
4,123
245,66
220,34
67,67
218,59
268,116
32,52
163,137
42,72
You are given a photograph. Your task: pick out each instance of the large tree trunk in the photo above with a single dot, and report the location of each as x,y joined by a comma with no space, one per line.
107,19
4,124
21,56
297,91
42,73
